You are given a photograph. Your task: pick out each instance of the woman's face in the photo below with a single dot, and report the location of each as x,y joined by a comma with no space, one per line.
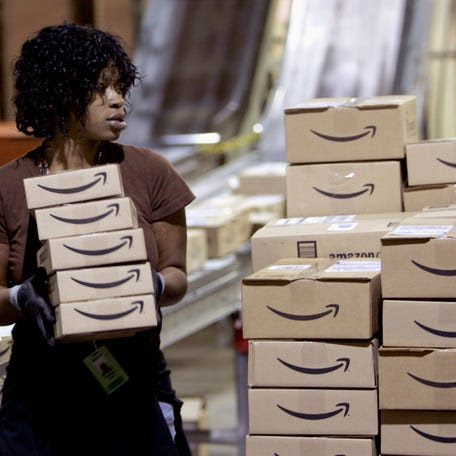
105,115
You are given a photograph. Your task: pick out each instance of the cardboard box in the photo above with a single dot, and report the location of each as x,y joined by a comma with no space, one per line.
260,445
349,237
431,162
6,344
86,218
222,229
196,250
417,379
264,178
408,323
312,299
350,129
99,283
313,412
74,186
312,364
96,249
418,433
416,198
104,318
418,261
344,188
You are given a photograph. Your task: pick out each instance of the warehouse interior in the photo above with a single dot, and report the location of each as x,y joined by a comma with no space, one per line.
218,79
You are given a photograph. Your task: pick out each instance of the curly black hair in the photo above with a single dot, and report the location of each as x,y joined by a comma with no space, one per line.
57,73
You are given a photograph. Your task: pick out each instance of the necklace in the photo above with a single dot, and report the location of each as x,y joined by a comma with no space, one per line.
44,166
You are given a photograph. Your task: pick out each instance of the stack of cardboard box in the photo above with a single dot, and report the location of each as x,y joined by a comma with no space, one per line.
312,357
94,253
431,172
417,361
345,154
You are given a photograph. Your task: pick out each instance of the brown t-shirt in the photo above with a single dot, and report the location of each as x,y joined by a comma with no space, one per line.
149,180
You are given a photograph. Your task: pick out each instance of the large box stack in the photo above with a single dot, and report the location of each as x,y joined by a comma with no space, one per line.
312,356
431,174
345,154
100,282
417,361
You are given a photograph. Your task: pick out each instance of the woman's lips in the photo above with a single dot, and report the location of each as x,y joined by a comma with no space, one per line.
118,124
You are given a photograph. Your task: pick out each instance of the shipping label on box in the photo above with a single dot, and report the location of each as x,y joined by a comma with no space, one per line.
417,198
98,283
101,318
343,238
417,379
313,412
431,162
261,445
311,364
312,299
408,323
349,129
74,186
418,433
344,188
96,249
419,261
85,218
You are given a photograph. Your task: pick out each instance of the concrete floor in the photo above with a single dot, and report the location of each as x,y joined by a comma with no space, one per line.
203,365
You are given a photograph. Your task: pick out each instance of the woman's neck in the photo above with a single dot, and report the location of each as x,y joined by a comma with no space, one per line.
66,153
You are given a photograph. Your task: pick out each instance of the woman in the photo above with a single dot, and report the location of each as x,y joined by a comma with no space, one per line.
70,88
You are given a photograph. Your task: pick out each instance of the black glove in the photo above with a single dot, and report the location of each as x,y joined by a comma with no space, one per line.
159,284
32,301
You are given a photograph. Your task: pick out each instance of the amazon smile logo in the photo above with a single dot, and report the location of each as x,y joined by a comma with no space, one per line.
435,271
371,129
137,305
434,438
134,272
114,209
447,163
332,308
318,416
432,383
128,240
369,188
436,332
65,191
343,362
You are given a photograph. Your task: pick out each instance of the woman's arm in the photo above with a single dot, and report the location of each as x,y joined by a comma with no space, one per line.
171,236
8,314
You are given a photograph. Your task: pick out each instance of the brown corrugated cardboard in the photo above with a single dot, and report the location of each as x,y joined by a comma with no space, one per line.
99,283
312,364
312,299
338,237
222,229
261,445
313,412
431,162
86,218
417,379
416,198
418,261
105,317
409,323
344,188
96,249
264,178
196,250
350,129
73,186
418,433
